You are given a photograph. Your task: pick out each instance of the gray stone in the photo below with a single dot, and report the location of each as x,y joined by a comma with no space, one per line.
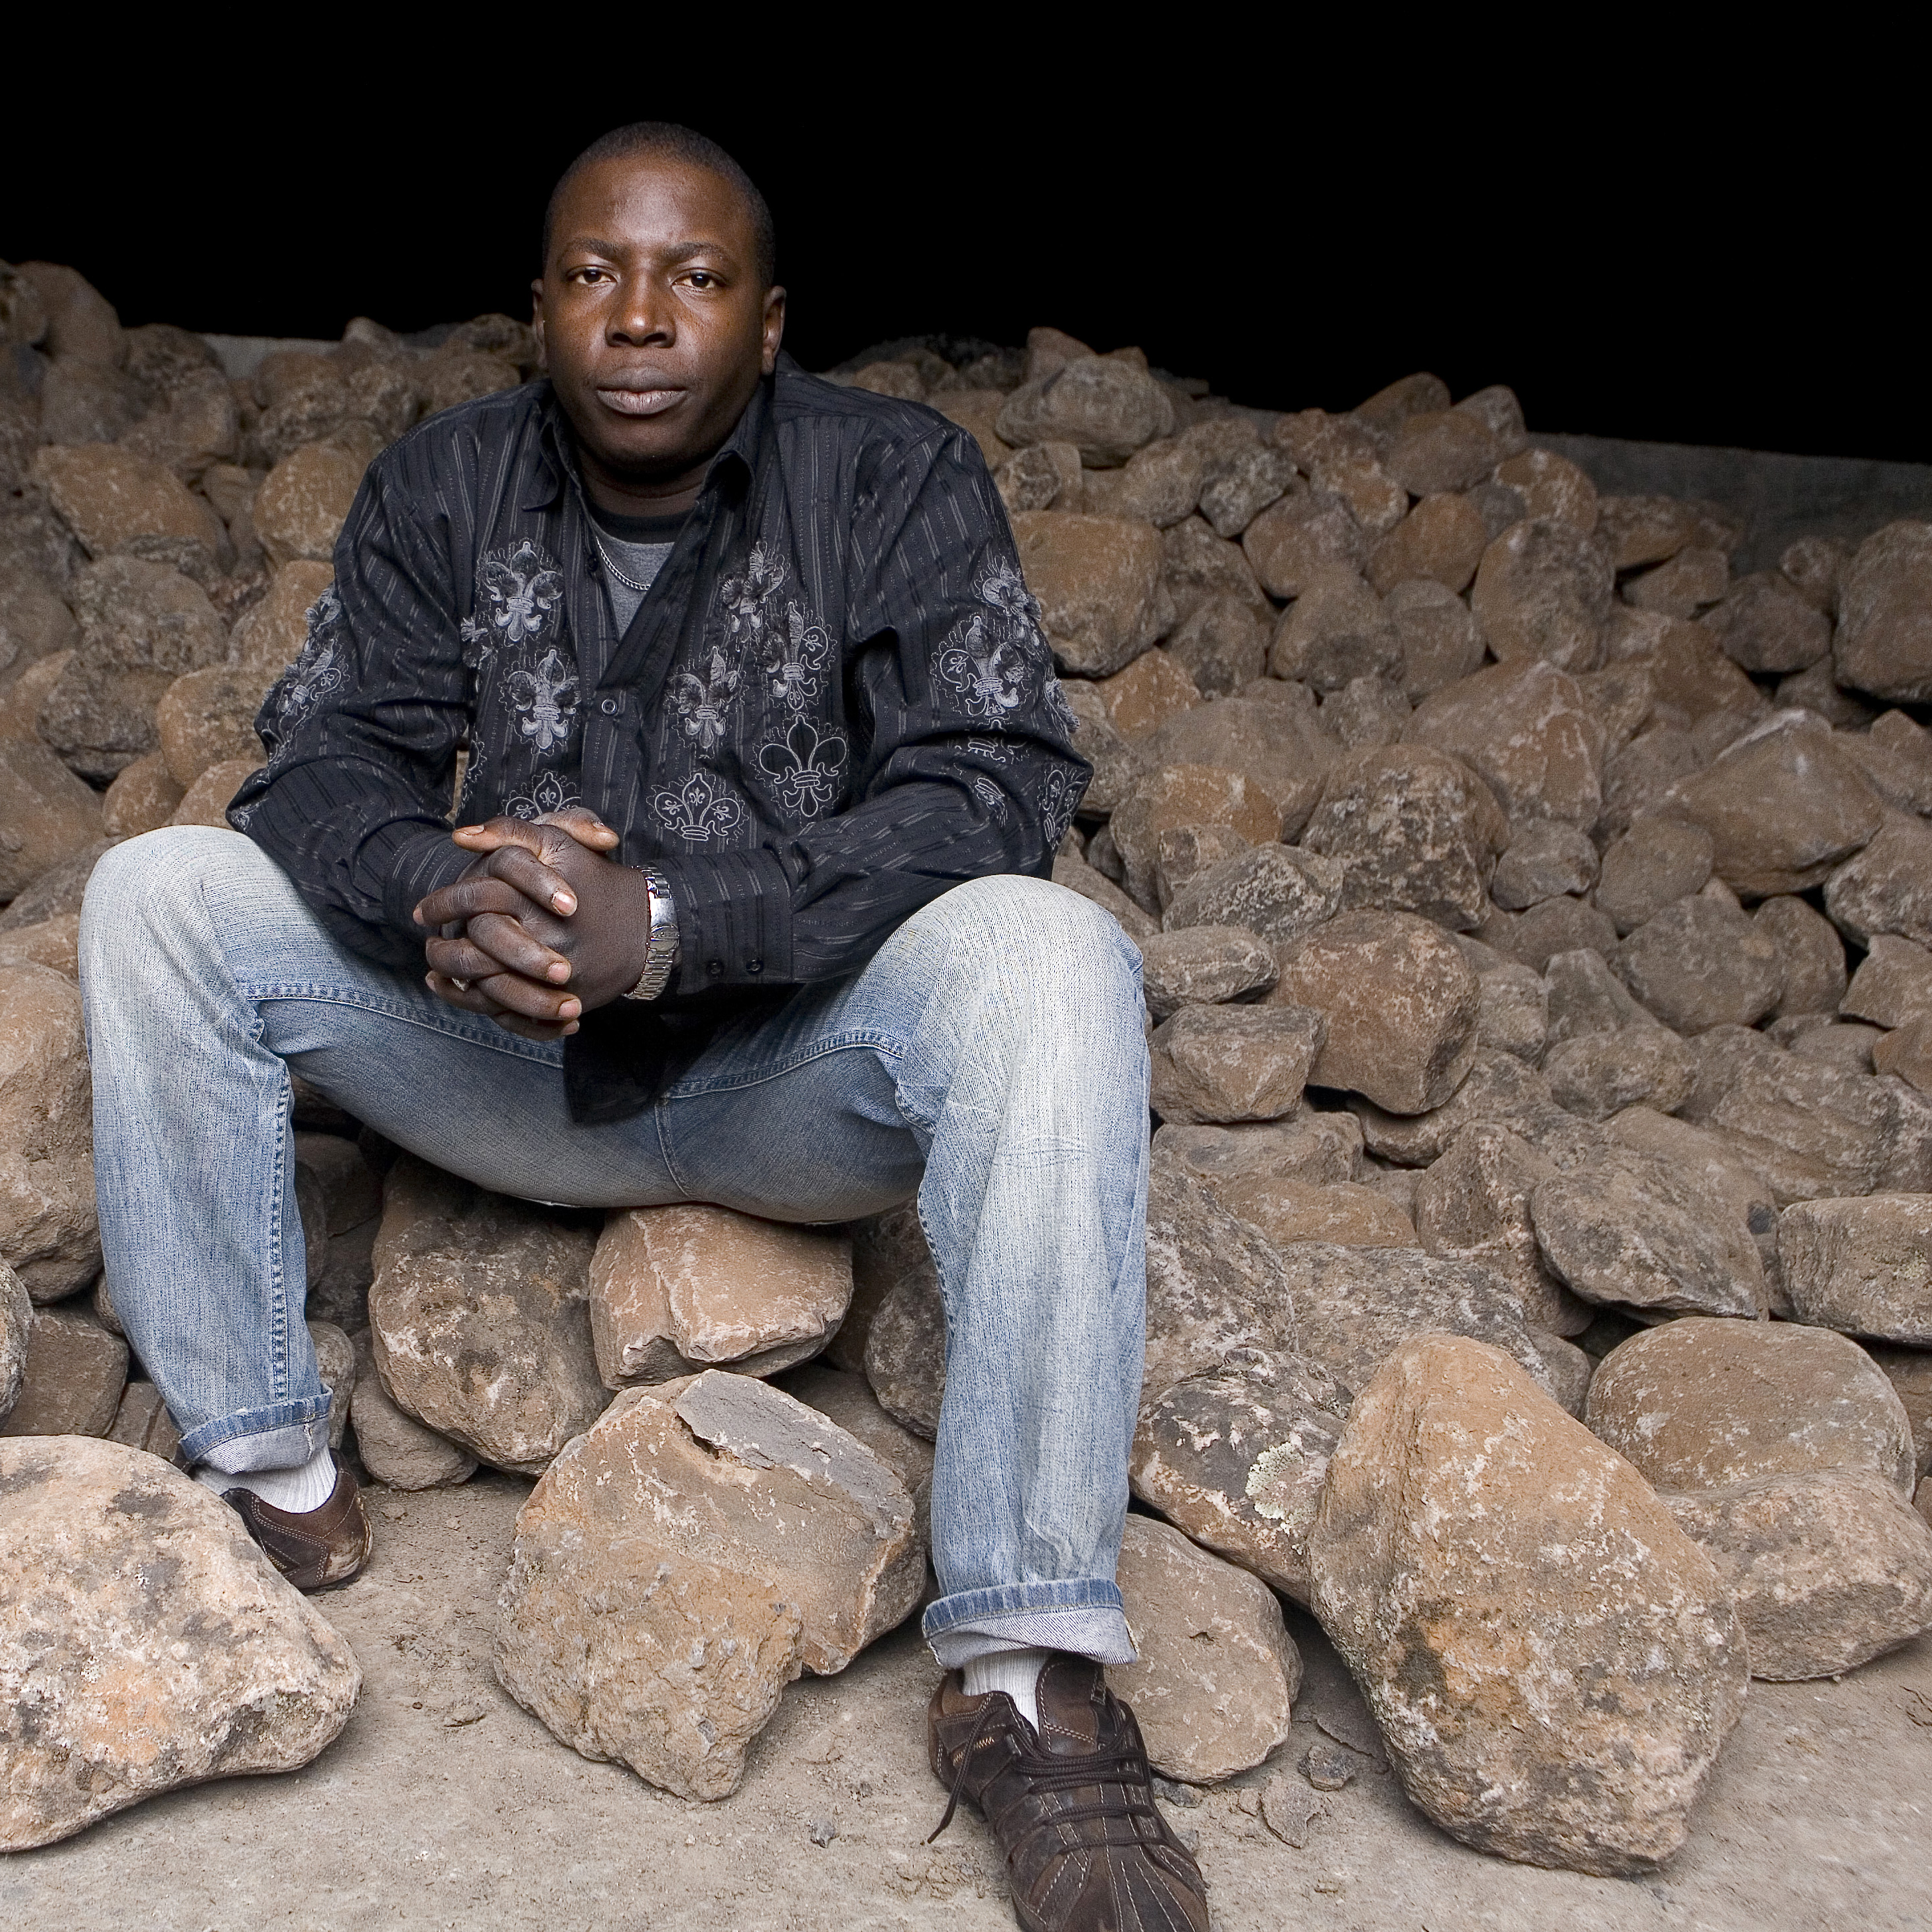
1764,625
16,1319
1909,1372
1278,891
1301,538
886,1249
1542,590
905,1350
146,1643
1514,1017
335,1358
73,1379
1077,876
1638,777
1553,1665
47,813
1500,1088
1278,747
1366,711
1586,998
1182,852
1203,965
398,1450
1893,985
1549,929
1884,639
141,1421
1863,1266
1335,632
1242,487
1701,963
1438,634
1289,1211
49,1234
1224,1063
1887,888
1601,1074
1810,955
1109,408
848,1400
1223,644
1323,1149
1546,859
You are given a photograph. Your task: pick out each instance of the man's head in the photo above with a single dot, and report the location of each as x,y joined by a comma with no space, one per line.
656,311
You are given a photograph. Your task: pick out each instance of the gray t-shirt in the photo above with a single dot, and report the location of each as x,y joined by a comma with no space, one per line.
633,547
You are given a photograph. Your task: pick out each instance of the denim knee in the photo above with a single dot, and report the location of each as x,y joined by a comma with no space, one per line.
144,881
1066,941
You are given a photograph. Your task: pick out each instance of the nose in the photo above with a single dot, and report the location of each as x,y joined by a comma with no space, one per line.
643,317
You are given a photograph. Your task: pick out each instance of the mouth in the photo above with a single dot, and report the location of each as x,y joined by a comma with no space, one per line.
640,402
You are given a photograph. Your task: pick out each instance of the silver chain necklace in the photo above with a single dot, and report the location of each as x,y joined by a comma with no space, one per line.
628,583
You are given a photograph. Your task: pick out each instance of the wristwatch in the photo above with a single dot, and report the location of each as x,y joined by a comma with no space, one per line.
661,956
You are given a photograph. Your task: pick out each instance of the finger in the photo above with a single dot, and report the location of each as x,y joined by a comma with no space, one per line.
534,1029
584,825
516,865
502,943
460,957
460,993
451,904
504,993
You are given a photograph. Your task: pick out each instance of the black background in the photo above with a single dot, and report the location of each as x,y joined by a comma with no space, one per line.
1716,260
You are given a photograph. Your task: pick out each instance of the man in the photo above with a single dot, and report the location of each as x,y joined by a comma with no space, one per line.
748,904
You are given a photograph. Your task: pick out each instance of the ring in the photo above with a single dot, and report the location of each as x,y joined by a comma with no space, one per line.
461,986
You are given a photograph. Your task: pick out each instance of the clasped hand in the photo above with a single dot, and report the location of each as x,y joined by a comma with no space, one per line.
542,928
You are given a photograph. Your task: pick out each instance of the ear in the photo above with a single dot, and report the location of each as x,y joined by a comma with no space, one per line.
537,323
773,330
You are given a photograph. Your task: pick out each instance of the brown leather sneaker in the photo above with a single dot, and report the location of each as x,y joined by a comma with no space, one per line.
316,1549
1072,1807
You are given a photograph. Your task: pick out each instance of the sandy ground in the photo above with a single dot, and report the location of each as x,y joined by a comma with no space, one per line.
444,1805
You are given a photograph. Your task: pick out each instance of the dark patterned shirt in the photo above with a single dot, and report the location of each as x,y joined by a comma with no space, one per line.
834,704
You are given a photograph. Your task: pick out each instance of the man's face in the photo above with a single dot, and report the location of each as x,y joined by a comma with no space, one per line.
653,326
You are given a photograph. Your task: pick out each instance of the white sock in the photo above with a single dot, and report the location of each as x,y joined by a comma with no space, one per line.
1014,1671
294,1490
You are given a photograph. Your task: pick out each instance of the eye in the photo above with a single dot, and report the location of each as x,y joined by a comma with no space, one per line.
702,278
589,275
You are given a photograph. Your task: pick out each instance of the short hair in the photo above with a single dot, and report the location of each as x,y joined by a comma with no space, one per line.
679,144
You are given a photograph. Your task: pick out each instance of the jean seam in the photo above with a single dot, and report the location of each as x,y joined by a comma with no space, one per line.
333,996
844,1042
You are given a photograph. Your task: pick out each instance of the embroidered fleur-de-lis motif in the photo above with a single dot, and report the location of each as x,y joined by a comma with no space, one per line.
988,672
549,791
1057,708
702,703
544,700
703,808
1003,588
517,595
806,767
794,654
743,598
1057,795
318,671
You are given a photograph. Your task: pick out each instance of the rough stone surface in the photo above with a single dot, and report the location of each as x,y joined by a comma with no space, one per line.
1152,689
1439,639
1863,1267
1826,1572
1701,963
904,1357
480,1317
1305,536
398,1450
1553,1664
1547,858
1276,892
1322,1149
300,509
1286,1210
1442,538
685,1559
1887,888
1703,1404
676,1289
1542,590
1883,643
1107,408
141,798
1401,1006
145,1642
1765,625
17,1320
1601,1074
1810,955
49,1233
1335,632
47,813
207,718
1222,643
1499,1088
1893,985
1223,1064
1098,579
113,500
1524,727
1514,1016
1277,746
207,800
1218,1671
1174,796
1203,965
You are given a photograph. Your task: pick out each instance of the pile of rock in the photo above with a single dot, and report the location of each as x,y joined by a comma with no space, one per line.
1537,950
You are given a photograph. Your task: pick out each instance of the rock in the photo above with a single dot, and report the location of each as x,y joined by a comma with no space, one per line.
1293,542
1627,1227
1203,966
676,1289
1288,1210
1638,777
352,1193
1552,1664
886,1249
1701,963
1813,566
58,890
1694,579
1896,755
1909,1372
1887,888
300,509
17,1320
1708,1163
1645,530
1764,625
1514,1015
1542,590
1040,476
1175,795
1080,877
1525,728
904,1357
1417,830
1818,1036
1334,632
1400,1005
1621,697
1240,486
480,1318
848,1400
1810,957
269,636
398,1450
1184,853
1365,711
454,375
141,1421
335,1357
74,1373
1907,1054
100,722
1704,1405
1438,634
206,801
1438,450
1499,1088
143,796
1217,1671
1109,408
1893,985
87,403
1388,408
1547,930
683,1560
1277,746
1862,1266
1472,1205
1443,538
1546,859
1551,486
1223,1064
47,813
1782,805
1601,1074
1280,892
49,1234
113,500
1222,644
1322,1149
1826,1571
1691,679
146,1643
35,625
207,719
1118,767
1884,639
1152,689
1098,579
1197,565
1238,1459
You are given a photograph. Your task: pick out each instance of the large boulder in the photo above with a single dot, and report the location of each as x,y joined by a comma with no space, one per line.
1524,727
1176,795
1884,639
480,1318
1701,963
1887,888
113,499
47,813
1226,1064
1862,1266
299,510
1544,590
685,1559
49,1234
1553,1664
1105,406
146,1643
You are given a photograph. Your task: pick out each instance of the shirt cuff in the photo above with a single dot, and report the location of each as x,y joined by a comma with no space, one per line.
734,920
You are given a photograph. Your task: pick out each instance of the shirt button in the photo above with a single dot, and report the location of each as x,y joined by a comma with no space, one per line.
754,965
715,968
610,707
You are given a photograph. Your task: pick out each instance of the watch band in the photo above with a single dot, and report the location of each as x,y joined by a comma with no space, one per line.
661,955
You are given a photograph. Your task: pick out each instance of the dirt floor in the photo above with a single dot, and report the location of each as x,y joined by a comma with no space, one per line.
444,1805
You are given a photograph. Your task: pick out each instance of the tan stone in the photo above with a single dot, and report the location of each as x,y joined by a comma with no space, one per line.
976,412
1701,963
1438,634
1893,985
1542,590
1160,484
1909,1372
1443,538
1702,1404
1884,639
1656,863
1765,625
1221,644
1335,632
1603,1073
1546,859
1887,887
111,499
1105,406
904,1357
1400,1004
142,1422
207,718
1645,530
53,942
847,1399
886,1248
300,510
1551,486
1691,679
683,1560
1277,891
1389,408
1224,1063
142,797
73,1375
206,801
20,701
1554,1665
1293,541
17,1322
1217,1673
1203,965
1438,450
1098,579
146,1643
1197,565
1863,1266
459,374
1907,1054
1044,476
1810,955
674,1289
1524,727
1350,1216
1152,689
398,1451
1694,579
270,635
49,1234
1176,795
1321,1149
47,813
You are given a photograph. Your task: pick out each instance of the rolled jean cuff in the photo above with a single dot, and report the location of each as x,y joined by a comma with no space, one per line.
283,1436
1084,1615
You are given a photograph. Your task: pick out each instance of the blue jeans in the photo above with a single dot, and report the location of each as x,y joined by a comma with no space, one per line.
990,1056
